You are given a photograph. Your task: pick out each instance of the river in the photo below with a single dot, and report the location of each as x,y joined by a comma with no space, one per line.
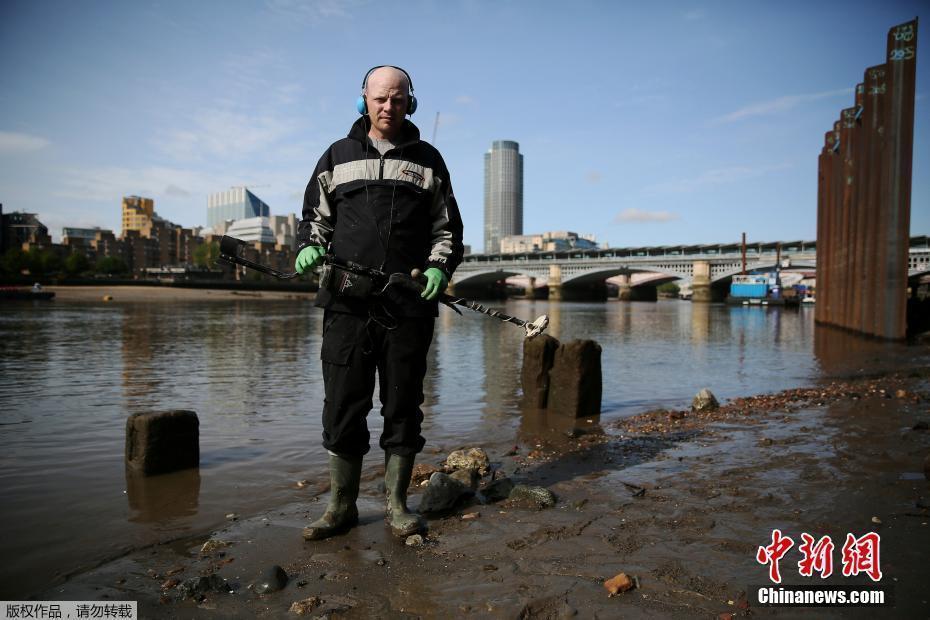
70,373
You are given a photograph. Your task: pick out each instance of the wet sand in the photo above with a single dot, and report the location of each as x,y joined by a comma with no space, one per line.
151,294
844,457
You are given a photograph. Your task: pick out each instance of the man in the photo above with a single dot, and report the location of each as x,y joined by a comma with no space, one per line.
382,200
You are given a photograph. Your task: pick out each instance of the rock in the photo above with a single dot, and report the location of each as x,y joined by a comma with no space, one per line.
306,605
705,401
876,521
473,458
162,442
302,484
575,379
470,516
676,415
619,583
553,608
272,579
415,540
198,587
538,355
422,472
537,497
214,544
442,493
232,516
468,477
498,490
901,394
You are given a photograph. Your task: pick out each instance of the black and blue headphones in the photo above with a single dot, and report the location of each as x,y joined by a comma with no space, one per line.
362,107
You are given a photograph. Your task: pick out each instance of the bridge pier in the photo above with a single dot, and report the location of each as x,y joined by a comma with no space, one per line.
555,282
624,290
530,291
700,281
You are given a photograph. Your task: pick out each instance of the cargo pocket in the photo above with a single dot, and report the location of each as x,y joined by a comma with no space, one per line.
340,337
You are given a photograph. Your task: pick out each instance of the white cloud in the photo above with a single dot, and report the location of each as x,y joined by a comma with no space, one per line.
314,11
778,105
15,142
465,99
640,216
226,135
713,178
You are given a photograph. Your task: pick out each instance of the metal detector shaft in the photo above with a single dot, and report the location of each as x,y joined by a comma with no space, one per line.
231,251
532,328
416,279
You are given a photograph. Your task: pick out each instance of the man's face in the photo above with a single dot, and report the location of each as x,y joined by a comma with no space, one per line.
386,96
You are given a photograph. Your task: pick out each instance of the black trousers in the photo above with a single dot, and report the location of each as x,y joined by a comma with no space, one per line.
353,348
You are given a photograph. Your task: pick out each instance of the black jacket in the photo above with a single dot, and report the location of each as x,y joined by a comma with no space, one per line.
394,212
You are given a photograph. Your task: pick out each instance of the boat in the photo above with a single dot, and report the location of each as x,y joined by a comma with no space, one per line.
760,289
12,293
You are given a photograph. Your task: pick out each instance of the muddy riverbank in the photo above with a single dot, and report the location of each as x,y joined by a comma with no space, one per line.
679,500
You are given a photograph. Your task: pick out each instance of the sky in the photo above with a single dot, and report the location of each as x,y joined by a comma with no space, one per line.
641,123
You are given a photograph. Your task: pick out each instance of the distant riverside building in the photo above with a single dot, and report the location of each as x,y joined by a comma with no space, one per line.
137,211
252,230
236,203
555,241
85,234
22,230
503,193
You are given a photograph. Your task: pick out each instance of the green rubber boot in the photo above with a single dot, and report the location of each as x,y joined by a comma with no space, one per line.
341,514
397,473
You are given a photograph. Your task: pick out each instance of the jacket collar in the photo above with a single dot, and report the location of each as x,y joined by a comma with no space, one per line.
408,131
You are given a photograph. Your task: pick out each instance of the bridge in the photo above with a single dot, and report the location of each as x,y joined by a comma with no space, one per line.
700,266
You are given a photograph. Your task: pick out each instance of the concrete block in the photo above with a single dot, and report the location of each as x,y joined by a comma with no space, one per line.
162,442
575,383
538,355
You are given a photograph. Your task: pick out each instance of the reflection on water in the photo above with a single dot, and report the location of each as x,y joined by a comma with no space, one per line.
71,374
164,498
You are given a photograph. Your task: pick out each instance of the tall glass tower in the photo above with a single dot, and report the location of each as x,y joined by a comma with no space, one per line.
238,203
503,193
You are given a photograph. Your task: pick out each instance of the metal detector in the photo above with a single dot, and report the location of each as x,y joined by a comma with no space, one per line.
232,250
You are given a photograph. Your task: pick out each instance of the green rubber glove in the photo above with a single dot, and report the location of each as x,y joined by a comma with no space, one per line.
308,258
436,283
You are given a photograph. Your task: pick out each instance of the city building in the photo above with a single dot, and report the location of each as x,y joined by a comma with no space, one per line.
136,212
284,228
503,193
22,230
236,203
555,241
252,230
70,235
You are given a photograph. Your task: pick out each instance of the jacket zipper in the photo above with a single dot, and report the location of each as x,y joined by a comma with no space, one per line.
381,171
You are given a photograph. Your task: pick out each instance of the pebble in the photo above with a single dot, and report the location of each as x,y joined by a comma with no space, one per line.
539,496
272,579
213,544
876,521
232,516
470,516
303,484
414,541
619,583
305,606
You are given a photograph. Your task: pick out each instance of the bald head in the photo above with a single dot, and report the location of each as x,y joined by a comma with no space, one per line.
387,97
387,77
